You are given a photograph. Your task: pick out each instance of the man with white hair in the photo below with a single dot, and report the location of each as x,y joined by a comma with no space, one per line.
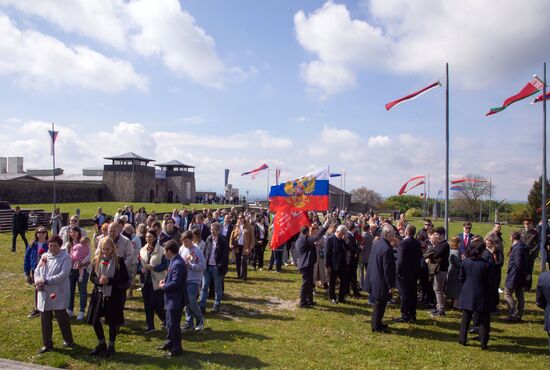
381,276
335,263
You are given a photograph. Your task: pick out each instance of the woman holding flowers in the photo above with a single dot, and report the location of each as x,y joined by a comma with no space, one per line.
110,278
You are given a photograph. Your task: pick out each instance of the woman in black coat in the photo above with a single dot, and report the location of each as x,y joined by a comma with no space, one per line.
110,279
476,294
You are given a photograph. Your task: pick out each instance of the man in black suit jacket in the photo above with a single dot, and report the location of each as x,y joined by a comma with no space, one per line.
19,225
175,299
381,276
409,254
308,256
465,238
515,278
543,299
335,263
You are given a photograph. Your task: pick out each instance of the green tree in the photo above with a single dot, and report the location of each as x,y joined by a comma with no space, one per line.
534,200
403,202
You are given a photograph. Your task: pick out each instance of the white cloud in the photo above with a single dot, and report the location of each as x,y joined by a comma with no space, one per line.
402,36
383,168
379,141
167,31
152,28
341,137
100,20
38,61
302,119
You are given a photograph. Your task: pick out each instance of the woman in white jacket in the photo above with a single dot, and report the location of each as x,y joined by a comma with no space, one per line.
51,278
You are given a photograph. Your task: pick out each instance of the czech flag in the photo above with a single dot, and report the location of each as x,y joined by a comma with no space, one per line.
308,193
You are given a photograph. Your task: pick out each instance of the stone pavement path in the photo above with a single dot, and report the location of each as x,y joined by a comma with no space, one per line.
15,365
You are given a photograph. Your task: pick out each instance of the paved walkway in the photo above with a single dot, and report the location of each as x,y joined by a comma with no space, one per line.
16,365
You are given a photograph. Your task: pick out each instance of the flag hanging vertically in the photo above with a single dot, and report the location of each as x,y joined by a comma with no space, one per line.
404,189
256,170
308,193
531,88
277,175
538,99
285,225
412,96
53,136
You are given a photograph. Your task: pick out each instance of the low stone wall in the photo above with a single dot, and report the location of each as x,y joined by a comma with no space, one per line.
30,192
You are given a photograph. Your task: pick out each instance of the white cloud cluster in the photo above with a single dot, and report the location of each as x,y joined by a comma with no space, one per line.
40,61
150,28
482,40
382,163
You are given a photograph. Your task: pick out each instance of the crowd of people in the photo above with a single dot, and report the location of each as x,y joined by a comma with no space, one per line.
182,259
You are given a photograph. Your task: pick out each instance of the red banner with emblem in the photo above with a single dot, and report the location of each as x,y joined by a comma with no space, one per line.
286,225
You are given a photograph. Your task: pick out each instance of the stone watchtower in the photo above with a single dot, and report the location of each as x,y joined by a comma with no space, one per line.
179,182
130,179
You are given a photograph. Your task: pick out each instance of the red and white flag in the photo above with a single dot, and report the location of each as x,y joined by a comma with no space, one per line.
404,189
256,170
413,95
538,99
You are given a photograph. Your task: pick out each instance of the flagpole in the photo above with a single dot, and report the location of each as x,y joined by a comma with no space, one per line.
543,229
341,188
53,156
447,149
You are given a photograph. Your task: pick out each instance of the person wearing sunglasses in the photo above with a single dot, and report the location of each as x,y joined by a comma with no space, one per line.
465,239
73,221
38,247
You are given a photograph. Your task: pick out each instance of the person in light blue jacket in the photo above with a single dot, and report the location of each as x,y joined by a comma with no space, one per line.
196,264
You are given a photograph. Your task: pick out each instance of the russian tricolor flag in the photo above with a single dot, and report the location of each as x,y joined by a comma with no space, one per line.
308,193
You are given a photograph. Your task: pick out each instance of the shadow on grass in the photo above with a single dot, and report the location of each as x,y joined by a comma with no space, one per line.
229,310
189,359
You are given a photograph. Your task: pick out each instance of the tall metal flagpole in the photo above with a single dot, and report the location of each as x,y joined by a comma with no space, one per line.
543,229
53,156
447,149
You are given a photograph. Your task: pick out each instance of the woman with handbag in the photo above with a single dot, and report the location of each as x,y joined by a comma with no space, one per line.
110,278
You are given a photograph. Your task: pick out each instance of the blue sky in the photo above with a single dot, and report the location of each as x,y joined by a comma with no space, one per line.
297,85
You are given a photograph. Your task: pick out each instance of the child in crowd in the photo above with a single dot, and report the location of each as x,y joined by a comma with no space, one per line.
79,253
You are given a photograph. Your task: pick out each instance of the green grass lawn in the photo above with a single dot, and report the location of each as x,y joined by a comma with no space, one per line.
89,209
260,326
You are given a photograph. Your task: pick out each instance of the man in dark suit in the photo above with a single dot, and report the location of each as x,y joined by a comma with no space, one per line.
335,263
381,276
409,254
515,278
465,238
305,245
19,225
543,300
205,230
530,237
476,296
175,295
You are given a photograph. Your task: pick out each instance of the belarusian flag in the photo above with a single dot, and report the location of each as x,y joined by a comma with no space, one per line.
531,88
